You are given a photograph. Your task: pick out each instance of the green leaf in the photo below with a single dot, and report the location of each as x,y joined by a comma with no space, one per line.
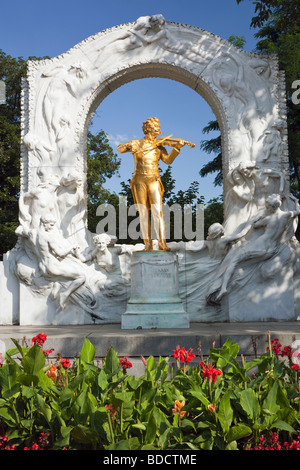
223,356
33,361
126,397
128,444
88,352
99,419
201,397
64,440
21,349
8,380
161,420
28,380
283,426
42,407
102,380
151,363
270,406
8,416
123,402
134,383
249,403
225,412
84,434
45,382
161,371
187,423
111,363
151,430
238,432
139,426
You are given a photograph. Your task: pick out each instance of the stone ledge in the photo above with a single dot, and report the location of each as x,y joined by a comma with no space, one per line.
68,340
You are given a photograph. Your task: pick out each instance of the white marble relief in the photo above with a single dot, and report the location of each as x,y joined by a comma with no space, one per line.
70,271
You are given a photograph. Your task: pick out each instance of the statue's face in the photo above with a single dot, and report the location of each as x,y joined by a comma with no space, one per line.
48,226
101,244
247,171
155,128
271,206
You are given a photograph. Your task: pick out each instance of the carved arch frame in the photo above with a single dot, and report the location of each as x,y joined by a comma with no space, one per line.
229,79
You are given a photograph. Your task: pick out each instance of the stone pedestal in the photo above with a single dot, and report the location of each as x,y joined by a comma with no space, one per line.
154,300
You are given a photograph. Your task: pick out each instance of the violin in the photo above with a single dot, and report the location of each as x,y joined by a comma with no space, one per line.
172,142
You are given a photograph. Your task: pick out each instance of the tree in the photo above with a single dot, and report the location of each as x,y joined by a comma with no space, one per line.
102,164
11,72
214,146
265,10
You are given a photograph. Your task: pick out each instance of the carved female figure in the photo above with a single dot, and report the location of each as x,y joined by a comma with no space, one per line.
71,203
275,224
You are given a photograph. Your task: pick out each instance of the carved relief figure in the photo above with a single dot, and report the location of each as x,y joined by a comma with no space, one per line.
217,243
133,38
275,225
41,152
146,185
57,259
107,262
263,179
149,30
32,204
239,200
64,85
230,76
155,31
273,142
71,204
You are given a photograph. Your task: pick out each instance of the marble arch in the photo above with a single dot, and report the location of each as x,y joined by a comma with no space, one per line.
246,91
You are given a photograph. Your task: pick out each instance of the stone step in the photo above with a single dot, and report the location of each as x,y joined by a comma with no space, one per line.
68,340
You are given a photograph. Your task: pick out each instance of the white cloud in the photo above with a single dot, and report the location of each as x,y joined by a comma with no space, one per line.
117,139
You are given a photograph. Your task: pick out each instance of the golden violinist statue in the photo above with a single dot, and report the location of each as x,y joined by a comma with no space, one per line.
146,185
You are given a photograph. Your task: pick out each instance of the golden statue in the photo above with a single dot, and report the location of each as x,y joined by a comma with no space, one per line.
146,185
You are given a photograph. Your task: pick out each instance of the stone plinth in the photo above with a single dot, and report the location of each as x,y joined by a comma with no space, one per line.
154,300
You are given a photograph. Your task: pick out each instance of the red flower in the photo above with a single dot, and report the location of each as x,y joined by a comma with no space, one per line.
125,363
275,346
65,363
47,352
39,339
287,351
296,367
111,409
183,355
209,371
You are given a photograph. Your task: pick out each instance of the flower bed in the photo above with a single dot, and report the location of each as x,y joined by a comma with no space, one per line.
222,402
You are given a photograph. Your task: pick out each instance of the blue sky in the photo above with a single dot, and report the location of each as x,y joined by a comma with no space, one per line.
37,28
